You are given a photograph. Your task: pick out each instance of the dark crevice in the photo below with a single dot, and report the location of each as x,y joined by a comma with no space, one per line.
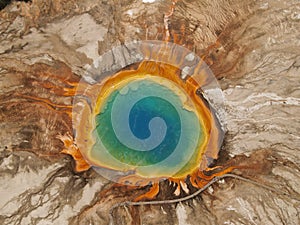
4,3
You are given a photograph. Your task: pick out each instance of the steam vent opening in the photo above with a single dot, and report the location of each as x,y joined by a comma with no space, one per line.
145,112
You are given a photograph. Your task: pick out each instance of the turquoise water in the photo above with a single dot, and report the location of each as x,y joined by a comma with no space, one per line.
142,124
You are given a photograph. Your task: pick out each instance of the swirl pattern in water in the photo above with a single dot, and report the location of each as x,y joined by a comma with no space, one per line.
141,111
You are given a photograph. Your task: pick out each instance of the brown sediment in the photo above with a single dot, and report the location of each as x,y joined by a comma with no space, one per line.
46,93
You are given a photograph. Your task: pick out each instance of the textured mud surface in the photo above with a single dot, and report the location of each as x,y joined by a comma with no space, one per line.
253,47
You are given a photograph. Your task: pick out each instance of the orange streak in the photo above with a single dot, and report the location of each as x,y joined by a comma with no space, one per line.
154,190
45,101
72,149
